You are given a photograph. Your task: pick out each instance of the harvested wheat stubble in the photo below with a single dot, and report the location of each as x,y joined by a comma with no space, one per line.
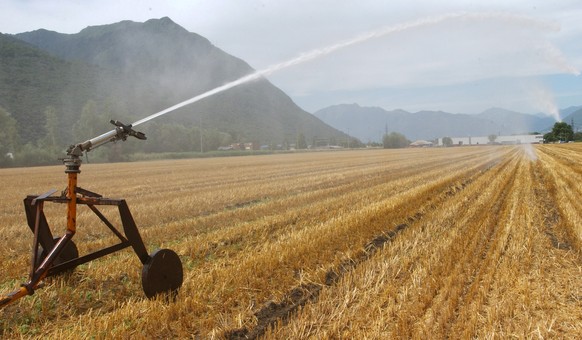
461,272
310,245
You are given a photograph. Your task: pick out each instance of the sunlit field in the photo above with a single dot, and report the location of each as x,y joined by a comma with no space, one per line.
468,242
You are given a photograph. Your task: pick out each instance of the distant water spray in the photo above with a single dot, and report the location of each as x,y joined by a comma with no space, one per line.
514,19
545,101
530,152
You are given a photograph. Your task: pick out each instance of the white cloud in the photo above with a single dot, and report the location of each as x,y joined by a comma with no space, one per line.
265,32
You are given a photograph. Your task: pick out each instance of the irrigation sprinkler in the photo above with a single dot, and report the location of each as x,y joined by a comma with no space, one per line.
162,269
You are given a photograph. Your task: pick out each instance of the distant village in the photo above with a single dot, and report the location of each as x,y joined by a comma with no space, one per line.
440,142
489,140
257,146
494,139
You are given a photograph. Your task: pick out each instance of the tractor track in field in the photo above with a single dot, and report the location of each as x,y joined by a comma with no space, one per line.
275,312
560,234
551,215
477,272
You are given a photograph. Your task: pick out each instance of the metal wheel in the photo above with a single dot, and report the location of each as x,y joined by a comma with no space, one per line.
162,273
70,252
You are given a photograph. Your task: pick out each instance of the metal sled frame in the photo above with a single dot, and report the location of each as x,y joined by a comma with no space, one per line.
53,247
162,270
38,224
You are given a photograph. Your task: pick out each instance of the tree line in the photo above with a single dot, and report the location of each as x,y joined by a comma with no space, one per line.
394,140
57,133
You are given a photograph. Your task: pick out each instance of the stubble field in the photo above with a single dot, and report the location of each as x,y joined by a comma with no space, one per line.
460,242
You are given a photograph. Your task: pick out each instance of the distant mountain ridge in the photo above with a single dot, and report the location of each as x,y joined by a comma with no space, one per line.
134,69
370,123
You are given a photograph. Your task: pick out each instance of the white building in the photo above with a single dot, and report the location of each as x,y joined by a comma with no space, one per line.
516,139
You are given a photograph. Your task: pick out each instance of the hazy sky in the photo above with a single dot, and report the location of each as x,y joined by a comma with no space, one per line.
520,55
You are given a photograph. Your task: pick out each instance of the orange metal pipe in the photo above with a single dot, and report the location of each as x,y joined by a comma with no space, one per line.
72,205
6,300
71,229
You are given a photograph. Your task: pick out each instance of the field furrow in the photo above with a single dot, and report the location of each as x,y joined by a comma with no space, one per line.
563,179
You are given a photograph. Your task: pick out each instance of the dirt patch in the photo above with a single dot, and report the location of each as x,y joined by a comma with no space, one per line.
334,274
245,204
556,243
271,311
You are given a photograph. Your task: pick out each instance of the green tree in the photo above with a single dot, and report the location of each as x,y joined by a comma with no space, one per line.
395,140
560,132
447,141
177,138
301,142
492,138
354,143
212,139
563,131
89,124
225,139
51,140
550,138
8,138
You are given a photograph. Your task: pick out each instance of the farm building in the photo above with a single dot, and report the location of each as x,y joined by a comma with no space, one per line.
241,146
421,144
515,139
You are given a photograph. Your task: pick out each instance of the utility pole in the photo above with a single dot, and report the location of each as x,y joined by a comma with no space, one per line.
348,138
201,141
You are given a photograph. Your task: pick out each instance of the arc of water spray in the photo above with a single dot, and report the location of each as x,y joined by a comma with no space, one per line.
544,99
428,21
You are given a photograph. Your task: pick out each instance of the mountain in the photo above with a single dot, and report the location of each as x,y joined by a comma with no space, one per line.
575,116
516,122
32,79
129,70
568,111
157,55
370,123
